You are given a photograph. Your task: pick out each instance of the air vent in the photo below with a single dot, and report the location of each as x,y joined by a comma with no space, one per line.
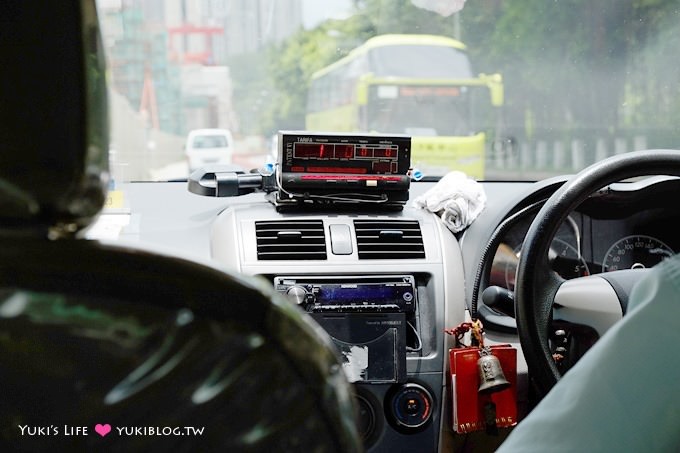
290,240
389,239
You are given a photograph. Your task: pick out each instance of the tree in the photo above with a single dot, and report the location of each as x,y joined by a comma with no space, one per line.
575,64
569,66
292,63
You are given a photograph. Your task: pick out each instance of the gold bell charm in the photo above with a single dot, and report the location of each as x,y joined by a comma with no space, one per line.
491,375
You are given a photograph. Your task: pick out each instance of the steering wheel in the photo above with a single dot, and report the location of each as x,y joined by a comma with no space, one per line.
537,287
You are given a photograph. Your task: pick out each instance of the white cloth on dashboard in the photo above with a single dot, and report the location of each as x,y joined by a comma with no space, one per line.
456,198
623,394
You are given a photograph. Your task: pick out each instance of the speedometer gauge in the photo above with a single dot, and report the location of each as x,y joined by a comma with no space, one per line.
635,252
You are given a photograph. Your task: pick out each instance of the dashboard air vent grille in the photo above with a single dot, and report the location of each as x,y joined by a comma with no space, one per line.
389,239
290,240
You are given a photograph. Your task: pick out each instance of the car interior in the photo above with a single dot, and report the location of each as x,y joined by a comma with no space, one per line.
313,304
94,335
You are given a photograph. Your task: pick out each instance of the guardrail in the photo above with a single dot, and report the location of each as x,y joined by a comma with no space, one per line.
544,158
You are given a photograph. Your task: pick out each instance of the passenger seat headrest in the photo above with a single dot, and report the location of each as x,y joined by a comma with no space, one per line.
53,116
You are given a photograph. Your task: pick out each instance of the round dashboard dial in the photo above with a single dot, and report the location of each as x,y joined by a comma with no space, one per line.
564,259
635,252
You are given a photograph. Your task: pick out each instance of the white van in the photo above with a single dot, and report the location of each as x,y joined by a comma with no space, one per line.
208,146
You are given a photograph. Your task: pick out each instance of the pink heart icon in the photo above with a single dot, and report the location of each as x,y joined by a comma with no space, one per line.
102,430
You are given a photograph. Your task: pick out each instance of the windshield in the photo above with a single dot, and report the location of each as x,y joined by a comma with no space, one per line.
517,90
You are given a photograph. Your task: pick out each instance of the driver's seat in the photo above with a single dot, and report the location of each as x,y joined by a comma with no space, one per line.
106,347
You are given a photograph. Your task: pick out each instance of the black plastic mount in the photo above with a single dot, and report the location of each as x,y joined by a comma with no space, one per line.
232,181
228,181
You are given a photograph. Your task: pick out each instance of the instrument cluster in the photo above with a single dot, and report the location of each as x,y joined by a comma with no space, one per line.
586,245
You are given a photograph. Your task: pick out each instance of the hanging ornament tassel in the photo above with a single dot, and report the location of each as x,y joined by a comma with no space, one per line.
491,377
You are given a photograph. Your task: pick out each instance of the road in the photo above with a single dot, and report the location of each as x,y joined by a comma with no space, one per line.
180,169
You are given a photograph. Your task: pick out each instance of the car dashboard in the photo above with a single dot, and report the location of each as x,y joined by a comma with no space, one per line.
340,251
308,254
304,254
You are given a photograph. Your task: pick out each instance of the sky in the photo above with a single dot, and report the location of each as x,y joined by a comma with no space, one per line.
315,11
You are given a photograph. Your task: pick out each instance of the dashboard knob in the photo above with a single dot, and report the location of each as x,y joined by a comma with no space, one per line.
410,407
297,294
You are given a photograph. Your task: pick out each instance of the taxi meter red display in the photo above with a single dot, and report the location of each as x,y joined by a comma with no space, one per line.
337,161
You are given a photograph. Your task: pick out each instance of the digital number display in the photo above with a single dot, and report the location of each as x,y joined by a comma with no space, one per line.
343,151
307,150
323,151
386,153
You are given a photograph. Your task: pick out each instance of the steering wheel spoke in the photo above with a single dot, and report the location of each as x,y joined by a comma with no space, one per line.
590,301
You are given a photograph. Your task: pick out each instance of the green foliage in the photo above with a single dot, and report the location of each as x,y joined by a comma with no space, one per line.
291,66
576,65
568,65
252,88
294,61
399,16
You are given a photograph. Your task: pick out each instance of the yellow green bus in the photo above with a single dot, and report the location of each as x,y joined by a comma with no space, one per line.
420,85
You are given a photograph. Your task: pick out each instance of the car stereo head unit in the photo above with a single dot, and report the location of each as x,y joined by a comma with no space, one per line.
359,294
365,316
343,167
